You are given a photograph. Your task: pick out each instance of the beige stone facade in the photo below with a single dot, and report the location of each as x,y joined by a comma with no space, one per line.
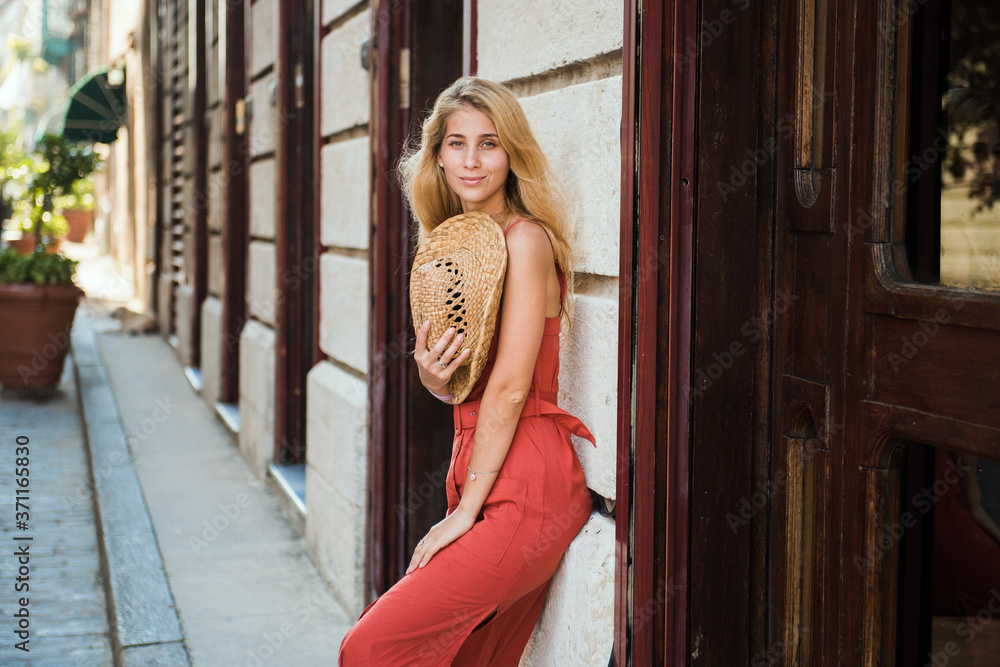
564,62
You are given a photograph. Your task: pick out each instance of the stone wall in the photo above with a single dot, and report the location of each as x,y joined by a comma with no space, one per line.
564,61
337,390
211,309
257,352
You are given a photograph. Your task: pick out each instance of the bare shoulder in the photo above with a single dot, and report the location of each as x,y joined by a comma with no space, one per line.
528,242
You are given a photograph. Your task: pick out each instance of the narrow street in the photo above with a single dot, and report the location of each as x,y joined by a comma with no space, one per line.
140,504
58,573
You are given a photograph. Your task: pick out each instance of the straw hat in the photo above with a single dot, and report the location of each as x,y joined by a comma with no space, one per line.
457,280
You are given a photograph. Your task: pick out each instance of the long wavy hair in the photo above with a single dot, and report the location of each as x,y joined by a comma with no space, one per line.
531,190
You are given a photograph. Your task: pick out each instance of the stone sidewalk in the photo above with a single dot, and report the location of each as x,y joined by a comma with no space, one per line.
243,586
67,621
143,512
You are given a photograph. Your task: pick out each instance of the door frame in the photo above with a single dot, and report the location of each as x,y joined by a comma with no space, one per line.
234,22
399,470
654,332
296,226
388,389
198,144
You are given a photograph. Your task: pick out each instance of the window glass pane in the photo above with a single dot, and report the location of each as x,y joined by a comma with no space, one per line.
953,161
970,216
949,585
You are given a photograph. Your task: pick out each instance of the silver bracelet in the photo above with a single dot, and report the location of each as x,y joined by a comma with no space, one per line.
439,397
480,472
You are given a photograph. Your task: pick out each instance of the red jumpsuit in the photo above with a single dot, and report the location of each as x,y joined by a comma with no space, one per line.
442,614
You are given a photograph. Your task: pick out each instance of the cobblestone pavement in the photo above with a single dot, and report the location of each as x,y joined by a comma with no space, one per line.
66,609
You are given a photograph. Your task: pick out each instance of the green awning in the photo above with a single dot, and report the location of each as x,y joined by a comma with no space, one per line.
95,108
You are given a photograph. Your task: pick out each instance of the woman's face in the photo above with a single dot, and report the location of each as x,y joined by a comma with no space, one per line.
986,168
474,163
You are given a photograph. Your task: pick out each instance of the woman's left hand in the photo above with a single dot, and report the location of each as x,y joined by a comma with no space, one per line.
442,534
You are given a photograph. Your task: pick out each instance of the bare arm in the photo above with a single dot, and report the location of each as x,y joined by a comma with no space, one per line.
530,264
522,323
973,495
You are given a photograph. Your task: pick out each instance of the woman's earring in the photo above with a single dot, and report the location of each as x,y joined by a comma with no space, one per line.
441,165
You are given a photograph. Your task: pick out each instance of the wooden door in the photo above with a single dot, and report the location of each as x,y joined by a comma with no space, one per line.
420,49
881,354
233,24
297,225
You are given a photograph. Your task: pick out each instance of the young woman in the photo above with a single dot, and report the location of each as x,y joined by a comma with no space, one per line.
516,494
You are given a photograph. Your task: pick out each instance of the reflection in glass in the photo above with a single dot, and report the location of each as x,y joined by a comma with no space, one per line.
950,559
970,216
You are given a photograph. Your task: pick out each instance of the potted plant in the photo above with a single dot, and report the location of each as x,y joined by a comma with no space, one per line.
77,209
14,168
38,299
55,178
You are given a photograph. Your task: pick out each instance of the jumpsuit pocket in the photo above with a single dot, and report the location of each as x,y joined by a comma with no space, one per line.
492,535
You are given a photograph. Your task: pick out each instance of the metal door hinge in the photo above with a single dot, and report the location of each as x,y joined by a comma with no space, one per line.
300,87
240,116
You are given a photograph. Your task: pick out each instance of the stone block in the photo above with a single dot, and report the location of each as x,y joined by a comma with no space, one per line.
263,41
345,83
334,9
215,267
211,349
262,198
343,325
518,39
587,137
263,120
182,322
215,191
172,654
257,395
212,70
163,288
260,272
214,122
344,208
577,623
588,381
337,403
144,607
335,533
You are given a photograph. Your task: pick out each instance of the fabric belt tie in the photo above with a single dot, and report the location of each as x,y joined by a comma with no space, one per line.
467,414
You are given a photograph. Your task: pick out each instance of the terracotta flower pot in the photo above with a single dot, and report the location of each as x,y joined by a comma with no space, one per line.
78,220
35,324
26,245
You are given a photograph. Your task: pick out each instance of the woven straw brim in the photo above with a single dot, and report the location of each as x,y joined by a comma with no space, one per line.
457,281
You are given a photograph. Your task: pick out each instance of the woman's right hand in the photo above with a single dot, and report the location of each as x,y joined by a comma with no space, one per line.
435,375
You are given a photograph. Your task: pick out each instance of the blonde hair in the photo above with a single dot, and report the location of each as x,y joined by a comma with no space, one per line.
531,190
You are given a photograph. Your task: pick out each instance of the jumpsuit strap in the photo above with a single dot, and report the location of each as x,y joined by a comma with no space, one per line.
467,415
